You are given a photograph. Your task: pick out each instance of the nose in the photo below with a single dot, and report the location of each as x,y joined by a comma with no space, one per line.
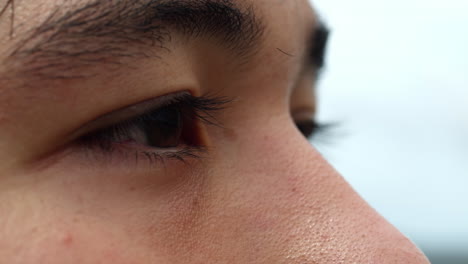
322,218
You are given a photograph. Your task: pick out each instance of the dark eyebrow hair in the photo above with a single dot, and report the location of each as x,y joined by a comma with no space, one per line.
72,39
318,45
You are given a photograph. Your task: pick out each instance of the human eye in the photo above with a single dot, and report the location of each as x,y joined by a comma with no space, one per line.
310,128
168,127
313,130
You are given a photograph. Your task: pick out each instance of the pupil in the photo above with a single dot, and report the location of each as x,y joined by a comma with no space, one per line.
164,129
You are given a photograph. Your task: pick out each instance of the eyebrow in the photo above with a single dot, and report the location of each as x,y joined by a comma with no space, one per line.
75,38
314,55
318,46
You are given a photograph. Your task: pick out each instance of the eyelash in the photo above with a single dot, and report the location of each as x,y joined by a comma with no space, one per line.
193,109
313,129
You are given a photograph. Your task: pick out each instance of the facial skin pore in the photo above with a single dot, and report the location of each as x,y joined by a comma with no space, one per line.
259,192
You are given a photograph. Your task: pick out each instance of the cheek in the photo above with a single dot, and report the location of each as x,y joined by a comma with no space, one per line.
68,217
77,244
37,234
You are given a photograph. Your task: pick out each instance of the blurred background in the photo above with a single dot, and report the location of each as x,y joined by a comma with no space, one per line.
397,85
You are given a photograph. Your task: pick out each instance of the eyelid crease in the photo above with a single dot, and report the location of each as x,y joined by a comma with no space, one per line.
203,108
128,112
303,113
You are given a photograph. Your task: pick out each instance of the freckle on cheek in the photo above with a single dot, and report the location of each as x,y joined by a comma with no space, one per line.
67,240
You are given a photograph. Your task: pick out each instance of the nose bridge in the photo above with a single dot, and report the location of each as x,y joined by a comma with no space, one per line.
323,212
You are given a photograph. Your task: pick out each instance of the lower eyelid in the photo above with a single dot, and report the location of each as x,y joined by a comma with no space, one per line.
123,153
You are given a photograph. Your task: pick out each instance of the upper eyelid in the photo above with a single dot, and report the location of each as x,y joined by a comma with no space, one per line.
127,113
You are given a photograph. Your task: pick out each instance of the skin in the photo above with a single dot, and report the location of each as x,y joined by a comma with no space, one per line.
261,193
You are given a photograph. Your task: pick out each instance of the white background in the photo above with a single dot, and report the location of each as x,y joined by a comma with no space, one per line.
397,84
